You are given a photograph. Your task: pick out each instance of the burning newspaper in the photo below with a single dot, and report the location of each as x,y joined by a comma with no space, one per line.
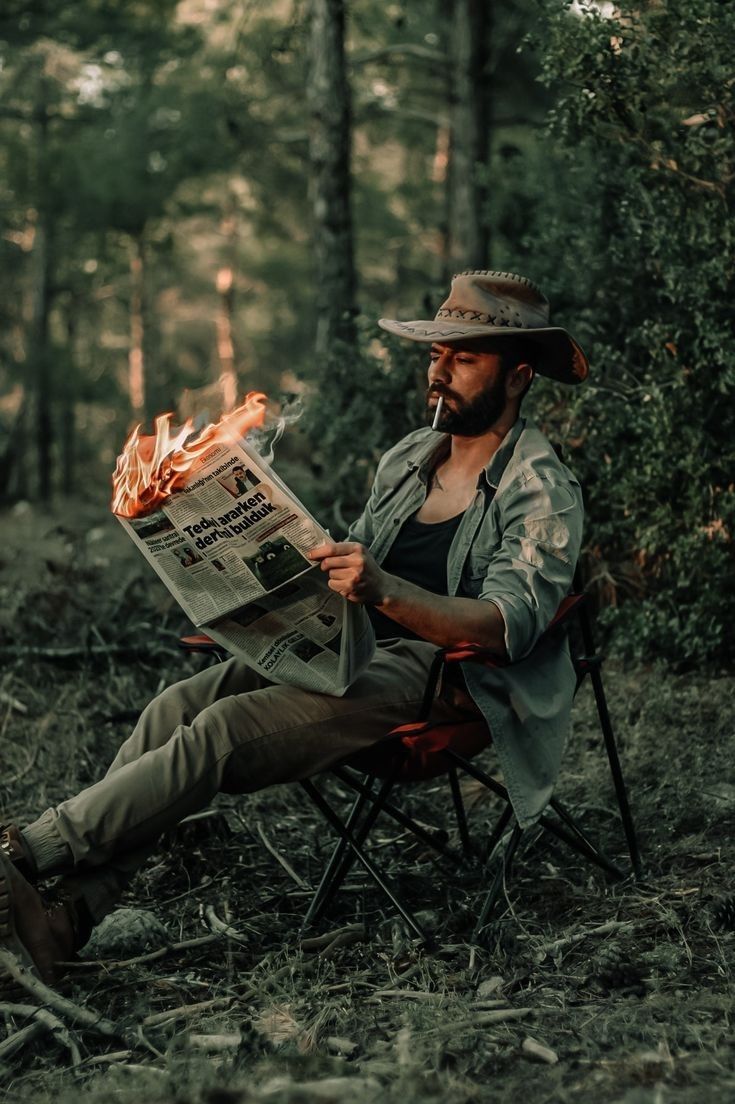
229,540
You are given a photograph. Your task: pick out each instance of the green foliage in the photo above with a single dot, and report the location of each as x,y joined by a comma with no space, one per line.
127,119
365,400
639,256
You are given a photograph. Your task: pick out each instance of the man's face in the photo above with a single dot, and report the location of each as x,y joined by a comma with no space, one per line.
473,386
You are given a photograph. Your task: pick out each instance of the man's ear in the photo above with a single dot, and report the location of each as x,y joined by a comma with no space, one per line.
518,380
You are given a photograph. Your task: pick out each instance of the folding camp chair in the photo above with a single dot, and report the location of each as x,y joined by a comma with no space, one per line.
423,750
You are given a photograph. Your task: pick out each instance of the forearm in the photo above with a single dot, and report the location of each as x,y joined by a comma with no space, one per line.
443,620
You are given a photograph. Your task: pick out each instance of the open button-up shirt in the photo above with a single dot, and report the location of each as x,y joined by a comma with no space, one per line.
516,546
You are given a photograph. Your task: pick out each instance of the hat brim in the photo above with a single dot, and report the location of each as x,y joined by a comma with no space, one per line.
563,359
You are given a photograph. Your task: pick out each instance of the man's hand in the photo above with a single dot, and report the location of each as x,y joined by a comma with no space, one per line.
353,572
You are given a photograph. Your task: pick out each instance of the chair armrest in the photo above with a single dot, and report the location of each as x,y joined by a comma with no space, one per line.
199,642
467,652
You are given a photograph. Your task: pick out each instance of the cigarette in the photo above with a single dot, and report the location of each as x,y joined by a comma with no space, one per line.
438,413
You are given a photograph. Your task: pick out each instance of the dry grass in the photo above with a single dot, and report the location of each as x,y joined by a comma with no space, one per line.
639,1012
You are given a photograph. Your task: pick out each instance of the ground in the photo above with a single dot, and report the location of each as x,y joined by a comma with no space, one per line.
628,986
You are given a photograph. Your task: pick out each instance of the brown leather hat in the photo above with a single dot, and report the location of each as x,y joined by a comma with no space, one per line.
499,304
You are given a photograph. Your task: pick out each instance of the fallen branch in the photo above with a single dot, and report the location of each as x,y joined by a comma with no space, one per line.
149,956
65,1008
484,1019
407,994
552,949
12,702
345,939
43,1020
215,1042
352,932
279,858
158,1019
16,1042
219,927
108,1059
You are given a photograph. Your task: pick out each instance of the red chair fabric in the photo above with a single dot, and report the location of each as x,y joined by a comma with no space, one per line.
413,752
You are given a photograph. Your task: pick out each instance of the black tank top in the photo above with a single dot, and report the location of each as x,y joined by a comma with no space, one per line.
419,555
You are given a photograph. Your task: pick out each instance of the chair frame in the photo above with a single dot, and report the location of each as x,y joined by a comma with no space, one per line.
373,792
371,802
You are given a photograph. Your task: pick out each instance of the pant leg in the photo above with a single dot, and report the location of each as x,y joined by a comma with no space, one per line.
101,886
238,743
177,705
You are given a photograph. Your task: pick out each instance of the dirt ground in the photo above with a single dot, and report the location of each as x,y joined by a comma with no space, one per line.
625,989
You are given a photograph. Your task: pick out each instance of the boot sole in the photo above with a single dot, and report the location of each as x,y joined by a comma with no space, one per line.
9,940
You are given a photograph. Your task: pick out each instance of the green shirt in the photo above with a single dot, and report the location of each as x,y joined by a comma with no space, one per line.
516,546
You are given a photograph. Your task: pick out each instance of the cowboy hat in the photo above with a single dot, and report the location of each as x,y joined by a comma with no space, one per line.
499,304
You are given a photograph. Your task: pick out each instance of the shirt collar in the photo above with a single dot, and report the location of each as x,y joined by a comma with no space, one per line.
499,460
429,453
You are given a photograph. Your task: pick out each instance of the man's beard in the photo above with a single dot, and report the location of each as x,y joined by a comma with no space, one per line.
470,419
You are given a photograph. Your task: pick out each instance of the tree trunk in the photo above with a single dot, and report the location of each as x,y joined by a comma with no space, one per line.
225,346
68,403
328,97
225,311
469,143
39,329
136,360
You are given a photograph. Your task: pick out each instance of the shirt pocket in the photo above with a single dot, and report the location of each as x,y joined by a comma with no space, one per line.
476,567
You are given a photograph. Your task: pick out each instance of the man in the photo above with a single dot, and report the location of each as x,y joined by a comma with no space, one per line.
469,534
244,480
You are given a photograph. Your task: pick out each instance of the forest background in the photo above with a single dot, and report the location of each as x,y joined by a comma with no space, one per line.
225,196
206,197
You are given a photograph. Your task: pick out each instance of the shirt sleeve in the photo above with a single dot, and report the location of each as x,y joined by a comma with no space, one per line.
533,569
363,530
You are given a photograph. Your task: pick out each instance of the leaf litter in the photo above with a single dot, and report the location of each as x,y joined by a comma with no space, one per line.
590,990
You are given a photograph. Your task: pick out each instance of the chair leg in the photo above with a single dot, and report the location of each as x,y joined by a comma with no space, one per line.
475,772
359,831
497,833
320,899
578,843
589,848
501,876
368,865
397,814
616,770
609,738
459,810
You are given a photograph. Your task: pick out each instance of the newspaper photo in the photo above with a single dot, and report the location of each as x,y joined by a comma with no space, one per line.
231,547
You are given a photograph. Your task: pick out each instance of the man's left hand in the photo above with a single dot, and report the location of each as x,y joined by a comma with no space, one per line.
353,571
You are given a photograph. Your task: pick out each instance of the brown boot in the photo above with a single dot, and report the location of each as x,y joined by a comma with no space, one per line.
38,938
15,848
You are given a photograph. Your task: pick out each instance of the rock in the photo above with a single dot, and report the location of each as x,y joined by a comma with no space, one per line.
126,933
490,987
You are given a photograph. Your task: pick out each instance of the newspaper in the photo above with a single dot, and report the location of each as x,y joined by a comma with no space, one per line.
231,547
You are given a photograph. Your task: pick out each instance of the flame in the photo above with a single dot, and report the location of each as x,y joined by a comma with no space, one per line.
150,468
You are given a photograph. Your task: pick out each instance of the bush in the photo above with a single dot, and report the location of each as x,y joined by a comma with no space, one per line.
632,236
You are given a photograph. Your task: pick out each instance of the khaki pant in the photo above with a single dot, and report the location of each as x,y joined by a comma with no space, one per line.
223,730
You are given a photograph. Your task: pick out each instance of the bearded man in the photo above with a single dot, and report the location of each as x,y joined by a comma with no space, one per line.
469,534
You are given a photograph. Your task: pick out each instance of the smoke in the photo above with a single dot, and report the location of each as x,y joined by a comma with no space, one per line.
265,438
204,405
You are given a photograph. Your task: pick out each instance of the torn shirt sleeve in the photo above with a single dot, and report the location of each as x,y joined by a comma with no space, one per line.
533,568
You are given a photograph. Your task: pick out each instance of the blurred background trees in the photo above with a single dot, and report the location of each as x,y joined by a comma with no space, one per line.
216,195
